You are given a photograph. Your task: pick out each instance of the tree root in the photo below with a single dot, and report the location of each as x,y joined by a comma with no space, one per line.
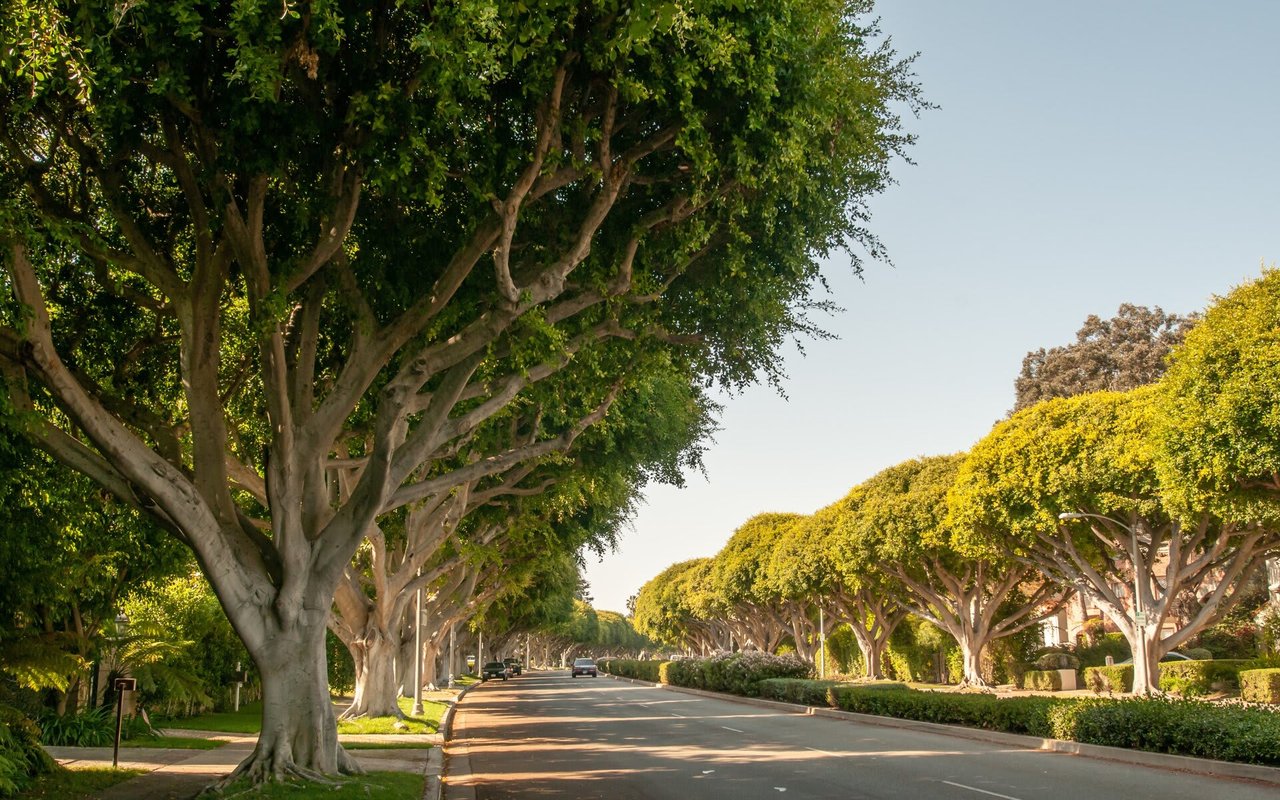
260,770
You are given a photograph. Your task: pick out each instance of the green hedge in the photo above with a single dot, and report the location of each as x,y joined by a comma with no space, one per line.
631,668
1027,715
1198,678
1161,725
798,690
1167,725
1117,678
734,673
1044,680
1260,685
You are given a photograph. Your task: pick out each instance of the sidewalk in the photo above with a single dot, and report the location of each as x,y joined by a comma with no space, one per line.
174,774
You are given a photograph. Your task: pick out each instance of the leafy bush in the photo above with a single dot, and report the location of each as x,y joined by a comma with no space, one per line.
1260,685
1162,725
1117,678
915,649
1166,725
1198,678
1198,654
92,728
1103,645
1027,715
1230,639
1043,680
798,690
631,668
21,757
734,673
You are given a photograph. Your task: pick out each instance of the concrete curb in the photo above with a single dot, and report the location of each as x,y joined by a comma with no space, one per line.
1199,766
454,761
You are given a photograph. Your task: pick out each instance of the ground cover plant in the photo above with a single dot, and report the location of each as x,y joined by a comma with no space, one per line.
75,784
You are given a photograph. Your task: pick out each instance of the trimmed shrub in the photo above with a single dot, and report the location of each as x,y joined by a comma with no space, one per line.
735,673
1117,678
1044,680
1198,678
1260,685
1166,725
631,668
1027,715
798,690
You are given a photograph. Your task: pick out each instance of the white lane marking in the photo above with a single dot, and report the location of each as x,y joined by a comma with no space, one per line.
707,771
735,730
976,789
781,788
681,716
824,752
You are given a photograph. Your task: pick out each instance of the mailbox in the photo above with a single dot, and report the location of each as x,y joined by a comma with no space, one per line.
126,684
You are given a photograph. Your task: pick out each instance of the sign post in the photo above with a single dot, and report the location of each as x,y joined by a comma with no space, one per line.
122,685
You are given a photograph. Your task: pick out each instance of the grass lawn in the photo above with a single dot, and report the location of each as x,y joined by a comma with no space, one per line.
76,784
428,722
357,745
374,786
247,720
173,742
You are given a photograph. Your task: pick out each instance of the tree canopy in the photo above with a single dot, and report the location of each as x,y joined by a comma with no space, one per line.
279,276
1127,351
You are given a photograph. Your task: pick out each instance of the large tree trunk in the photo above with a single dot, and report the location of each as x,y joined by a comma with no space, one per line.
299,731
377,688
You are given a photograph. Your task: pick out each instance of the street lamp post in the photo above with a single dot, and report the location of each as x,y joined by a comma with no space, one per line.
1139,614
417,655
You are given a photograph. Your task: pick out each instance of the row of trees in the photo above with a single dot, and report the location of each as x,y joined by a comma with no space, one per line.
331,295
1148,501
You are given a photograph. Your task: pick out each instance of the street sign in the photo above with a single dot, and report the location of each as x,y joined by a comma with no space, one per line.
1140,618
126,684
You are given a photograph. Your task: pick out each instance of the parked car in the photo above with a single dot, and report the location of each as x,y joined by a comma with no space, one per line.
583,666
1172,655
514,663
495,669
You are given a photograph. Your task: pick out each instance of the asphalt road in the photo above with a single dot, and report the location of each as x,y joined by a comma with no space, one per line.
545,735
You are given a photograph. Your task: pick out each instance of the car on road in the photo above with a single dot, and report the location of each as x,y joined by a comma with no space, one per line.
514,663
495,669
583,666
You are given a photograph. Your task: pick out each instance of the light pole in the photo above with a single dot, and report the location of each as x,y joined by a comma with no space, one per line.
1139,615
822,645
417,655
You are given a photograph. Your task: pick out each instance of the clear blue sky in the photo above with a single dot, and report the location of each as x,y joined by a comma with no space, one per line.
1084,155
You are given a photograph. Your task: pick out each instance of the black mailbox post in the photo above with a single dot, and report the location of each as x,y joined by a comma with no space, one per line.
121,686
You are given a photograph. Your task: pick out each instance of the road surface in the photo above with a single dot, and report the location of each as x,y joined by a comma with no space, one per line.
545,735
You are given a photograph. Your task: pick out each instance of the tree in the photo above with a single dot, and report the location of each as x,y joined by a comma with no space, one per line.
1219,429
275,273
670,608
70,556
1092,458
581,499
1124,352
976,594
751,607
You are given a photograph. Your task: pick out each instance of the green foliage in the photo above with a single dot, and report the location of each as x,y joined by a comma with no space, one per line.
915,649
1260,685
1106,644
1230,639
802,691
1048,680
843,655
95,727
734,673
21,757
1219,429
182,648
1199,678
1165,725
1028,715
1117,678
633,668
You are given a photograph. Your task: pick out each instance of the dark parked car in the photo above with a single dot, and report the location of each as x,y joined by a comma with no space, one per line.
514,663
495,669
583,666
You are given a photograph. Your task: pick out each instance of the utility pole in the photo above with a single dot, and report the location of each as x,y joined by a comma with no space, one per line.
417,654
